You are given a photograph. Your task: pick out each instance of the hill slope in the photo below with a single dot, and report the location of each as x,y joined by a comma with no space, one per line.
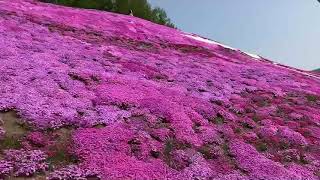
117,97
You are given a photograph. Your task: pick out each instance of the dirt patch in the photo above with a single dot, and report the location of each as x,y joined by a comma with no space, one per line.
15,130
13,124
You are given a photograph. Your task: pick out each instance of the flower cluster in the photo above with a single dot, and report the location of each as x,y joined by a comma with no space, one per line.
26,163
37,139
6,169
73,172
146,105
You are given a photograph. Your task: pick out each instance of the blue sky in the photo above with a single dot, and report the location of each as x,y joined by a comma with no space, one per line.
285,31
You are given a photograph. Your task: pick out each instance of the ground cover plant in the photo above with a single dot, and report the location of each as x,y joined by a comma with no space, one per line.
99,95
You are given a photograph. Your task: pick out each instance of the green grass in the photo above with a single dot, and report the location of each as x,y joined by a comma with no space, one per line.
246,125
10,142
219,119
284,145
61,157
312,98
172,144
238,130
256,118
262,146
206,152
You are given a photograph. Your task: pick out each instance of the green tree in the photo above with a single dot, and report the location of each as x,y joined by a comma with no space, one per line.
140,8
160,16
121,6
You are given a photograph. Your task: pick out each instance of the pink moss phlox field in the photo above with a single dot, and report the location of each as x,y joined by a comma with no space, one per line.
6,169
144,101
38,139
73,172
26,163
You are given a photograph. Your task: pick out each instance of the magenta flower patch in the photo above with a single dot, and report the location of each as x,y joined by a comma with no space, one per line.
108,96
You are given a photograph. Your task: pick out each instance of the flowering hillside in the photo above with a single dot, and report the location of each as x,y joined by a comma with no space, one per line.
96,95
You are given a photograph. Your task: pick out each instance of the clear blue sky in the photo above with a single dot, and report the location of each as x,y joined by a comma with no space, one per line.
285,31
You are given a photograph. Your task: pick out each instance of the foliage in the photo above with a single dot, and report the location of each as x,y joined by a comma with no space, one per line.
140,8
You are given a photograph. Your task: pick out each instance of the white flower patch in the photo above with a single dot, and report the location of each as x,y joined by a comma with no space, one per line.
198,38
252,55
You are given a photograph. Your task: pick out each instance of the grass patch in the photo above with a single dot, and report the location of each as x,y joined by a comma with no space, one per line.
155,154
219,119
256,118
206,151
238,130
59,154
312,98
263,103
303,160
172,144
284,145
10,142
226,149
246,125
162,122
262,146
60,158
